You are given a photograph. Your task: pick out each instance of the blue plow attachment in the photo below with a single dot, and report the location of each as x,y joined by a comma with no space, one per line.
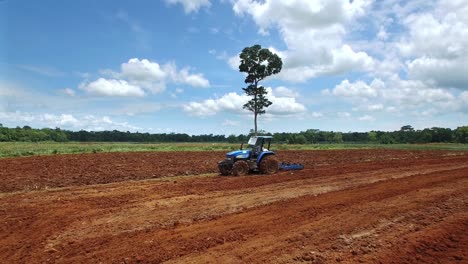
291,166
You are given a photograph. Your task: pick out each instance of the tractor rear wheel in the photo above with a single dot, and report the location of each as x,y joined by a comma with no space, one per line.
240,168
269,165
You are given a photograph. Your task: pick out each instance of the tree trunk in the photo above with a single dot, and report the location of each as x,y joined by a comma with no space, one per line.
255,121
256,107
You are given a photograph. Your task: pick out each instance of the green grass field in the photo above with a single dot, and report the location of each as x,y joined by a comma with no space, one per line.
17,149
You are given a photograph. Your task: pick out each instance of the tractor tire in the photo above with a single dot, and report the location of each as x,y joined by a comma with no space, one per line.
240,168
224,169
269,165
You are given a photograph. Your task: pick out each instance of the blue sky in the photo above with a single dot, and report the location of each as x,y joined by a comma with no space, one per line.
171,65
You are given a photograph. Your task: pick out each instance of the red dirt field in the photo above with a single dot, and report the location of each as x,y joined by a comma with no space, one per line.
347,206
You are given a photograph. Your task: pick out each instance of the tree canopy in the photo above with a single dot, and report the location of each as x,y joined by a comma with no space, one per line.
310,136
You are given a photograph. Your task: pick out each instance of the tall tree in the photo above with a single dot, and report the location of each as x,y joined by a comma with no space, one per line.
258,63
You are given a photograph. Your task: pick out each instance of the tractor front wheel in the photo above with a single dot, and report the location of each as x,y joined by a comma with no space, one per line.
269,165
240,168
224,168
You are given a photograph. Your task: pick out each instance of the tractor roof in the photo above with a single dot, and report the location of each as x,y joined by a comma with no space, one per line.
253,140
261,137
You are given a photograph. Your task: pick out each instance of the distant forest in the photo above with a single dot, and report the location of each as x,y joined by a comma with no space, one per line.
407,134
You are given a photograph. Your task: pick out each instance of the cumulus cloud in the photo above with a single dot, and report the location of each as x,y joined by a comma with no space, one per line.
300,13
398,94
111,87
357,89
67,121
436,45
234,62
283,105
233,102
314,38
440,72
136,77
422,50
185,77
285,92
190,5
142,70
62,120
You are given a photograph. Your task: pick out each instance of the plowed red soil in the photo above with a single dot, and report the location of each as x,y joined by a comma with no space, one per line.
370,206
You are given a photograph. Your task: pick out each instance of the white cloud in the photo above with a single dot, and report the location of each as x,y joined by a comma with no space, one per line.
421,63
176,92
69,91
399,94
142,70
66,121
16,116
314,38
300,13
93,123
137,76
230,123
382,34
429,35
283,105
195,80
285,92
317,114
421,55
368,107
366,118
343,114
358,89
234,62
190,5
152,76
375,107
436,44
233,102
391,109
440,72
111,87
62,120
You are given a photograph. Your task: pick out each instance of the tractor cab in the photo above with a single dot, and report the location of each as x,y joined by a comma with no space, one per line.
259,144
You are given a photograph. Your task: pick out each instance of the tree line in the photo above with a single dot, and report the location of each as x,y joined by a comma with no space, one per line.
407,134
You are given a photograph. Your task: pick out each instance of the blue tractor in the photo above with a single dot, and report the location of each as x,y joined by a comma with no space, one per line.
257,157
